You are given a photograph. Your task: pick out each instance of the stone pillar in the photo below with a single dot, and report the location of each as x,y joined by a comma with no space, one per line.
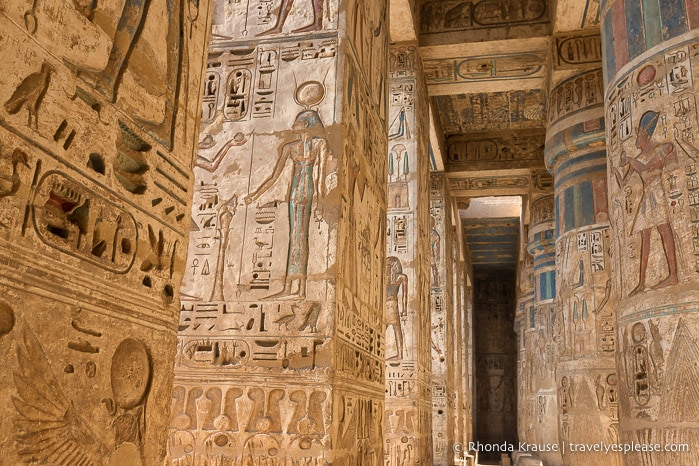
542,347
525,329
281,343
469,399
441,293
408,403
576,156
97,117
459,391
651,72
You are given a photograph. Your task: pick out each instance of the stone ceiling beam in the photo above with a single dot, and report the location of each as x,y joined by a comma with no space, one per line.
492,150
494,66
514,182
570,15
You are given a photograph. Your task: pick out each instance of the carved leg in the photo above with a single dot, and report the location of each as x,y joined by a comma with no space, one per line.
130,22
670,255
284,10
317,23
645,249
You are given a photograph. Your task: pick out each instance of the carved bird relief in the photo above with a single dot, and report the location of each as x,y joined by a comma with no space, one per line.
310,321
10,183
30,93
284,320
49,430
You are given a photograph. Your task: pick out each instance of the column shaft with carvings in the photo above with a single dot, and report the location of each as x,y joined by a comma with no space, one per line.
97,116
542,346
525,326
408,410
470,364
281,343
651,71
585,313
443,320
460,390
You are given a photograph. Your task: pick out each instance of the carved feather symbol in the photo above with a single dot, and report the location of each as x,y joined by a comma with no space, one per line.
48,429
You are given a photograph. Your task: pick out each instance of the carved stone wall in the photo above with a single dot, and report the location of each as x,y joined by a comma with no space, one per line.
408,381
98,108
651,115
585,329
443,323
542,340
281,343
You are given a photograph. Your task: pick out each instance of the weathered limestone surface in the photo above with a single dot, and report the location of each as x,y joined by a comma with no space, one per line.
525,328
584,331
542,341
461,391
651,114
408,377
281,345
98,106
443,320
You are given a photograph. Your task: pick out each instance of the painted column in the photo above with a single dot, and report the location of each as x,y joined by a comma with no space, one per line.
408,404
586,374
542,347
98,106
651,71
442,324
525,325
281,343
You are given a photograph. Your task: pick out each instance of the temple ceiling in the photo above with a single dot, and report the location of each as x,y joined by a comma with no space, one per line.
489,66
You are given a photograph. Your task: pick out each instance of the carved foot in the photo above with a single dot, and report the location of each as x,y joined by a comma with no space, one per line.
637,290
99,80
315,26
670,280
274,30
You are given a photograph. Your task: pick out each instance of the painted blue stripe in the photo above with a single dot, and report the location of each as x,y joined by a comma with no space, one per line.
635,31
673,15
545,265
600,154
607,31
569,208
600,169
588,204
558,217
544,256
651,17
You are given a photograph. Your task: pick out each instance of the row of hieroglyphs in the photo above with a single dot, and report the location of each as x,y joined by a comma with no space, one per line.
283,286
96,117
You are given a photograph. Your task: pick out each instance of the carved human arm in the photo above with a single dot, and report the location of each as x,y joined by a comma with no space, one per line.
212,165
269,182
404,292
689,146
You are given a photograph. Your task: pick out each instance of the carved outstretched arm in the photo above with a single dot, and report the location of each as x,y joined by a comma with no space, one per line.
639,166
269,182
212,165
